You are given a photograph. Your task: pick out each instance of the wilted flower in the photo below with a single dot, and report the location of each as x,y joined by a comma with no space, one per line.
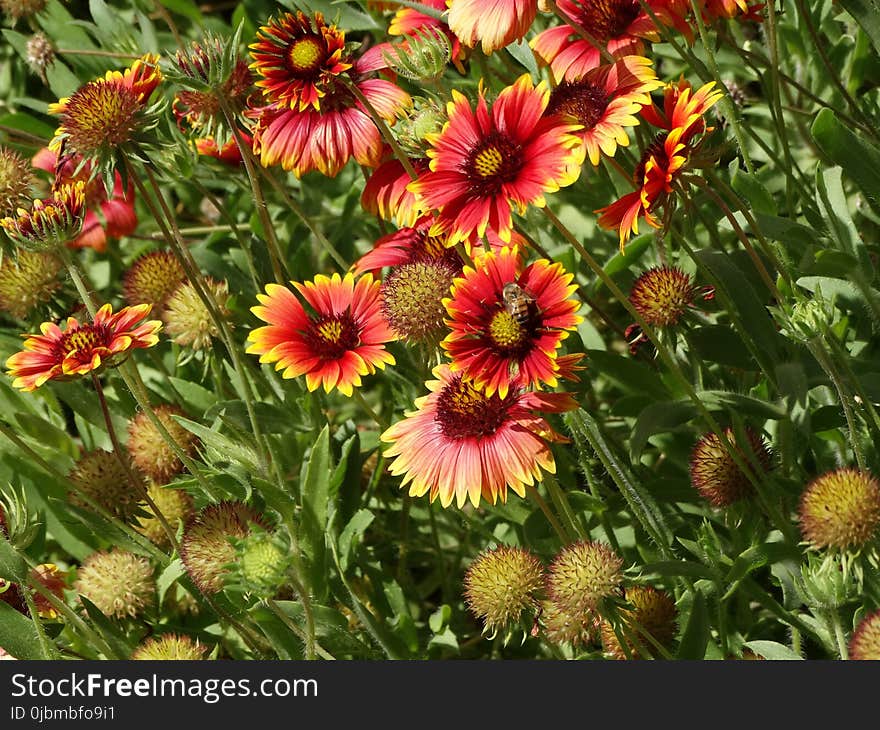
15,180
840,509
206,548
27,280
100,476
17,9
174,504
151,279
40,54
118,582
652,610
188,321
715,474
150,452
501,584
865,642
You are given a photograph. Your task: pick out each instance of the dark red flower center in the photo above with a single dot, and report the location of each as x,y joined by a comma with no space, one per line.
583,101
463,411
494,161
86,338
607,19
332,335
657,150
305,55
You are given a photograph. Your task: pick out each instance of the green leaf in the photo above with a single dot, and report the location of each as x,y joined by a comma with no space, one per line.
186,8
695,637
225,447
678,569
752,189
634,250
201,399
168,577
658,418
743,404
867,15
18,635
859,159
756,557
835,210
721,344
587,436
629,374
524,55
110,632
772,650
12,565
352,533
315,491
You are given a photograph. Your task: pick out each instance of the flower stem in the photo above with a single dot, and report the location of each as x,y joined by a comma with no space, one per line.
358,396
548,513
285,619
560,501
136,484
47,647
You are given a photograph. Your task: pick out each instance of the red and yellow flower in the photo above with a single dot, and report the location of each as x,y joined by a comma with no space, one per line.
497,345
106,216
406,246
665,159
386,195
80,349
410,22
484,163
105,114
50,223
312,119
492,23
461,444
604,101
341,339
621,27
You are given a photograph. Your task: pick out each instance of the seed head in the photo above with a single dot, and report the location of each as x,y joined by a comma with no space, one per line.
176,506
840,509
16,180
151,279
582,576
652,610
187,320
865,642
100,476
412,297
170,647
118,582
717,477
149,450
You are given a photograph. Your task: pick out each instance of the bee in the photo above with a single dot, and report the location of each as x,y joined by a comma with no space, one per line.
518,303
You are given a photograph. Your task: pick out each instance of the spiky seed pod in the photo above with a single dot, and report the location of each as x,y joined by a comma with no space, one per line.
170,647
420,56
582,576
206,548
262,564
150,452
560,627
16,180
717,477
865,641
27,280
654,611
501,584
187,320
151,279
100,476
840,509
118,582
662,295
175,504
412,297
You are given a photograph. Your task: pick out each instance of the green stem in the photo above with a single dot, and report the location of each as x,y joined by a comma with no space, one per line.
46,647
560,501
275,256
834,623
135,483
548,513
359,397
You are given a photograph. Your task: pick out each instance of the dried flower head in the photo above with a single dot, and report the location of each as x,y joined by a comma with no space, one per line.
840,509
501,584
101,477
152,279
27,280
582,576
149,450
17,9
662,295
412,299
865,641
653,611
118,582
40,55
188,321
174,504
15,180
206,548
170,647
715,474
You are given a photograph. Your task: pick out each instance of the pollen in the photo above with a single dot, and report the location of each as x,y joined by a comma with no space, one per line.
505,331
305,54
583,101
333,335
331,331
488,162
607,19
463,411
